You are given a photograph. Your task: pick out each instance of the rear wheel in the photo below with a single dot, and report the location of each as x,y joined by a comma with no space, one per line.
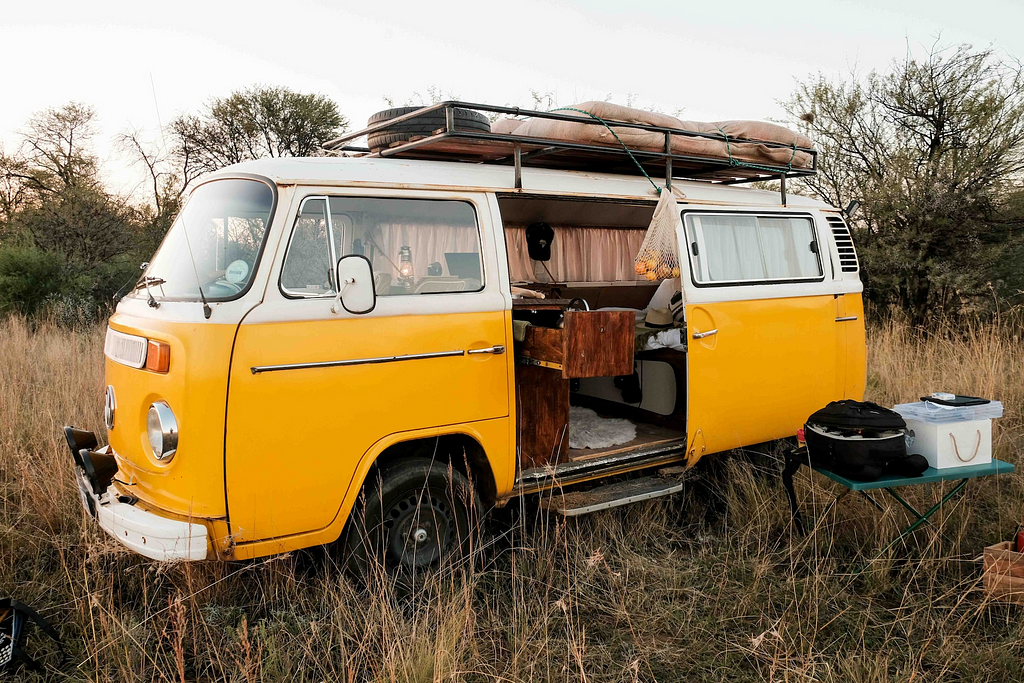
416,516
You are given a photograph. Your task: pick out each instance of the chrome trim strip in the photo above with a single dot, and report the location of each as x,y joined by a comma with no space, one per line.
355,361
846,319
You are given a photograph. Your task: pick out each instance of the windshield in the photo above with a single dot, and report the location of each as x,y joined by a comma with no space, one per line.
222,228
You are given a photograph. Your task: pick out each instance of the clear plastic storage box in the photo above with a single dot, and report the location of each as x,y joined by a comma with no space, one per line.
926,411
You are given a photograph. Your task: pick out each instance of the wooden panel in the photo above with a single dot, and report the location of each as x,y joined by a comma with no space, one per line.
598,343
542,401
544,343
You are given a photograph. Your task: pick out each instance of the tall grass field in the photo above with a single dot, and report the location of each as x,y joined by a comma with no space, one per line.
708,585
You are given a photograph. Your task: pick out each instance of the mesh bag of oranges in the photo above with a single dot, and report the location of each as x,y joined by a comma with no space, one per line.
658,258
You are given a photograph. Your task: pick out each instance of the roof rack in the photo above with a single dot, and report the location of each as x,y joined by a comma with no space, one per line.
450,144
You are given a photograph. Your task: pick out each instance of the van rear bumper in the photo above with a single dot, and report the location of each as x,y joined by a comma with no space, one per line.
147,533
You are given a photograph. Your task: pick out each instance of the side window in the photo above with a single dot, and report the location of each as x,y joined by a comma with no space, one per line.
736,248
307,270
416,246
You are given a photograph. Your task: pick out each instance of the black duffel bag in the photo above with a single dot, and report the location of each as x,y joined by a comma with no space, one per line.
860,440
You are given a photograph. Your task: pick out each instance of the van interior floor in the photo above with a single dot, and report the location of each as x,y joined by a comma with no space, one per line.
653,446
646,435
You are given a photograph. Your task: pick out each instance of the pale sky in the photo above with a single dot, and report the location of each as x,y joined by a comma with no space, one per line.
714,60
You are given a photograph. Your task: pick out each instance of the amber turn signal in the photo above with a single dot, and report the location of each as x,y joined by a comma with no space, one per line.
158,356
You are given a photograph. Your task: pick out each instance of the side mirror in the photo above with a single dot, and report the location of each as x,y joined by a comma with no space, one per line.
355,285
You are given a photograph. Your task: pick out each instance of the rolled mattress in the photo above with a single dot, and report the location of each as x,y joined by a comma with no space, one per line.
740,134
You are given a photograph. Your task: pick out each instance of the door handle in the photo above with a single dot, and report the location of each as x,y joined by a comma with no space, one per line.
701,335
846,318
497,350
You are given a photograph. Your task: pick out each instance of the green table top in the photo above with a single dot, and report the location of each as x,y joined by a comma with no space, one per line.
930,476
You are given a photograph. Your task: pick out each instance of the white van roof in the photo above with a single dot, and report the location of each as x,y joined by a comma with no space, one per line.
408,173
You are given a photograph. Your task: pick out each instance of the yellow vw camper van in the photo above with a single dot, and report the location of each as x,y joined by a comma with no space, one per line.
360,346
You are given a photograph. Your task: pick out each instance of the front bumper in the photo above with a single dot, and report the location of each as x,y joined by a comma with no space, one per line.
147,533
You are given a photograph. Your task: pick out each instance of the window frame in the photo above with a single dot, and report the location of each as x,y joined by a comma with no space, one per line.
258,259
756,214
287,293
334,251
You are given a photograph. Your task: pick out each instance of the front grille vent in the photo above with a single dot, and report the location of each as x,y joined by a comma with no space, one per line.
844,244
125,349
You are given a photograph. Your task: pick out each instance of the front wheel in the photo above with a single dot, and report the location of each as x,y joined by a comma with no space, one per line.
415,516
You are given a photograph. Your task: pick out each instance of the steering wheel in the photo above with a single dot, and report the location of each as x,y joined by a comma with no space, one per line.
233,287
578,304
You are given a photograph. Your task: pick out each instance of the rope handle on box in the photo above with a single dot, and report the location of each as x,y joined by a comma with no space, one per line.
605,124
756,167
956,450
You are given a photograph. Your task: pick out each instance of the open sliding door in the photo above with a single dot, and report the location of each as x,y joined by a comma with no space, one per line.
761,319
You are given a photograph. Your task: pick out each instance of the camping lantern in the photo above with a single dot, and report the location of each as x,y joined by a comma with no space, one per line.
405,263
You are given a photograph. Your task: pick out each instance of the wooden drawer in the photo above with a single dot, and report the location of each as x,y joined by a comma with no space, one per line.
590,344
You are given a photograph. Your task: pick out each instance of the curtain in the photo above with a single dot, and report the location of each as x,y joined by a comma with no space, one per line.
730,250
428,244
741,248
577,255
787,247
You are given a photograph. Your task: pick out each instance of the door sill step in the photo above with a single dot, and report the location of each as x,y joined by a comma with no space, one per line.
577,503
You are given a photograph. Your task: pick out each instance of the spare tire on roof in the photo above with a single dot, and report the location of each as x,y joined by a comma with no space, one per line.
420,126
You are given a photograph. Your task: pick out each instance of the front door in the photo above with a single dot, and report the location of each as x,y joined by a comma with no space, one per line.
313,390
761,322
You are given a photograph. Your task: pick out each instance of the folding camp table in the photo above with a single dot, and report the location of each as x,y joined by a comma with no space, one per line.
889,484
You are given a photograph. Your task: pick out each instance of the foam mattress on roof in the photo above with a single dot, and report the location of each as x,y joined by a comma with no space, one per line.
741,134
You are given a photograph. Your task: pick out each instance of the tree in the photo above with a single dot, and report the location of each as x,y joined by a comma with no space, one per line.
56,148
254,123
928,148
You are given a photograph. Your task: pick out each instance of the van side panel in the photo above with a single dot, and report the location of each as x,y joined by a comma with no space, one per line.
769,366
296,437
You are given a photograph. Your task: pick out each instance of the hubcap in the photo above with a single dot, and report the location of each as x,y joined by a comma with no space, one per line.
420,530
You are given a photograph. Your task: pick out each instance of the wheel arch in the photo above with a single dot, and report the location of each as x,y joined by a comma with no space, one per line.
464,452
459,445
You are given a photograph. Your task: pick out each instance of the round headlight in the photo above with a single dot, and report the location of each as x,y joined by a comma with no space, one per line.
162,429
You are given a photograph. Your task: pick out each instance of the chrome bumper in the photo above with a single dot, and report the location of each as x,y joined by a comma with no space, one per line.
147,533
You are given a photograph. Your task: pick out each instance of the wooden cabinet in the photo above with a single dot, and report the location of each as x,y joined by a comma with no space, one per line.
588,344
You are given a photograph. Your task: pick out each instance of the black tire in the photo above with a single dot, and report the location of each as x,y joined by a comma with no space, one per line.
420,126
413,518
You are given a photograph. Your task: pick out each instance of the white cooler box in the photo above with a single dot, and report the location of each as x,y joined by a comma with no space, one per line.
948,436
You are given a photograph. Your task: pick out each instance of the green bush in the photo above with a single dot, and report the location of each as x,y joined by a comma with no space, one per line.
29,276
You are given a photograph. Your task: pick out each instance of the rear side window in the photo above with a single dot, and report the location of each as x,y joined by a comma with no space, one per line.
743,248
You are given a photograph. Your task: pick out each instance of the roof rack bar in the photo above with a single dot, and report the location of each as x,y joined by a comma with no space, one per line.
782,188
559,145
668,160
518,153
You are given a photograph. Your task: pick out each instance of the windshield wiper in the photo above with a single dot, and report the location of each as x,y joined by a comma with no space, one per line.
184,229
146,281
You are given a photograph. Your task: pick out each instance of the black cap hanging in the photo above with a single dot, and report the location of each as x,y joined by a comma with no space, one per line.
539,237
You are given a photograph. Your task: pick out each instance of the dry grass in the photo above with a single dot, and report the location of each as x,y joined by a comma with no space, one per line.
710,585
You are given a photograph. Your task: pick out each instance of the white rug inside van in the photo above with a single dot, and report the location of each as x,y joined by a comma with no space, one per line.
587,429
